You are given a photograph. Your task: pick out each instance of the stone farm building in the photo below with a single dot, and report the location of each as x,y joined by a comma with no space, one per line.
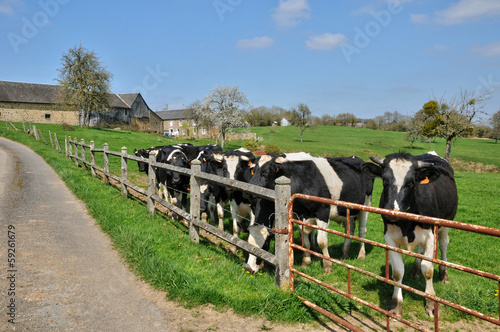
37,103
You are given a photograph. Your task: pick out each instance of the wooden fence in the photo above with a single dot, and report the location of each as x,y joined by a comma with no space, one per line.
76,151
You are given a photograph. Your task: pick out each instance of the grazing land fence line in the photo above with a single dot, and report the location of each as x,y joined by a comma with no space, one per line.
77,151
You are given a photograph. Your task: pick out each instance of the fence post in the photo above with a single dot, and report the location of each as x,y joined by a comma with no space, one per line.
75,149
92,159
24,126
124,171
51,142
194,231
57,144
35,131
283,193
106,164
84,164
151,182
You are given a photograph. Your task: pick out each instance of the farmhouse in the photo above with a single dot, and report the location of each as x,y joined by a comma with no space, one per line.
180,122
37,103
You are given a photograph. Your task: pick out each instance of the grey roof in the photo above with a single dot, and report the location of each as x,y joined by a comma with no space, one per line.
176,114
47,94
28,92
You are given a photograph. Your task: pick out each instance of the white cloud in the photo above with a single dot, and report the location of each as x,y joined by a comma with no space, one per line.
325,41
461,12
490,50
255,43
7,6
291,12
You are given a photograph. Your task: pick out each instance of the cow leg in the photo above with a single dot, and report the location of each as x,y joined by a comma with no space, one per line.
220,214
428,271
236,217
257,237
347,242
212,206
415,272
306,231
443,247
323,244
363,219
398,271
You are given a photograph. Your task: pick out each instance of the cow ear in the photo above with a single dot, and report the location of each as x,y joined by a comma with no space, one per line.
426,175
279,160
245,158
379,161
372,169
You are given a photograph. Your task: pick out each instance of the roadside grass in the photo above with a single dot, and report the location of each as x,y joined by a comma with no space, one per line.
160,251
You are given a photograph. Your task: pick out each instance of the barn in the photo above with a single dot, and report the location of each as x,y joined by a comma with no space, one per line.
36,103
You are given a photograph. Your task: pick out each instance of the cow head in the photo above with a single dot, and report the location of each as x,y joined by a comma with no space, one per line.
401,174
144,153
179,159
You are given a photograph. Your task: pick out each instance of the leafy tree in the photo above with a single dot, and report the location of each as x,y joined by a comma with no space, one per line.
495,123
223,108
327,120
346,119
452,120
84,83
301,117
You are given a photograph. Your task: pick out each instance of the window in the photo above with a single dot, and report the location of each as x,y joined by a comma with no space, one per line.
204,131
171,123
47,116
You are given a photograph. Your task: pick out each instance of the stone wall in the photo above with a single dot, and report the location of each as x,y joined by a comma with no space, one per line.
37,113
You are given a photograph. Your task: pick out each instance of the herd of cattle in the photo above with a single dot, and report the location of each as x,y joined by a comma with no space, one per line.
422,184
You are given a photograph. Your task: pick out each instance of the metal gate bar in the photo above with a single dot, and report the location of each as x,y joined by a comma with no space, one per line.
424,219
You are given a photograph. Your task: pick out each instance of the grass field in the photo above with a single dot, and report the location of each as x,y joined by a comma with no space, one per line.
159,249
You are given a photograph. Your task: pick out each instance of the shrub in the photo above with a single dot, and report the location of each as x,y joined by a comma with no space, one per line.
68,127
251,145
272,148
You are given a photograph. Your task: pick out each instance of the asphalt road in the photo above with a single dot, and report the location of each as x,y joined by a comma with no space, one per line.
65,276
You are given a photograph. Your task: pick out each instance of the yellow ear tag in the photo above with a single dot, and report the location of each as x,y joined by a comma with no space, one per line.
204,159
277,169
250,163
425,181
251,171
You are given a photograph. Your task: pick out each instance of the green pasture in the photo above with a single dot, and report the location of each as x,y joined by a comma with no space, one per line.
159,249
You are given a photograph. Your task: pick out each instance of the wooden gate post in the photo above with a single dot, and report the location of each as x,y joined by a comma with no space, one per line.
84,164
92,159
194,231
106,164
151,182
34,129
283,193
124,171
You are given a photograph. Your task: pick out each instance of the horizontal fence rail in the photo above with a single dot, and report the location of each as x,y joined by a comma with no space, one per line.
436,222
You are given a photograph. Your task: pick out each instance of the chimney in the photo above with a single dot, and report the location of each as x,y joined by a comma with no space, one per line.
166,108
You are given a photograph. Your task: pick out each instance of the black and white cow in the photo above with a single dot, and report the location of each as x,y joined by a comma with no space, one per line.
238,164
422,185
335,178
176,184
212,195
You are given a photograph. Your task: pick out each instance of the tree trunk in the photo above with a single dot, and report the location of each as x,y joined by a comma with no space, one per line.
301,132
448,150
223,141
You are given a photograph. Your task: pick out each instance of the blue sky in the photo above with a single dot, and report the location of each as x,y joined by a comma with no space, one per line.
362,57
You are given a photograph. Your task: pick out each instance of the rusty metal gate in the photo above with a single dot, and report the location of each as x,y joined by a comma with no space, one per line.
386,279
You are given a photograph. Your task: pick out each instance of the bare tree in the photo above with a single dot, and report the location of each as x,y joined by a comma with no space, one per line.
301,117
415,126
223,108
84,83
454,119
495,124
